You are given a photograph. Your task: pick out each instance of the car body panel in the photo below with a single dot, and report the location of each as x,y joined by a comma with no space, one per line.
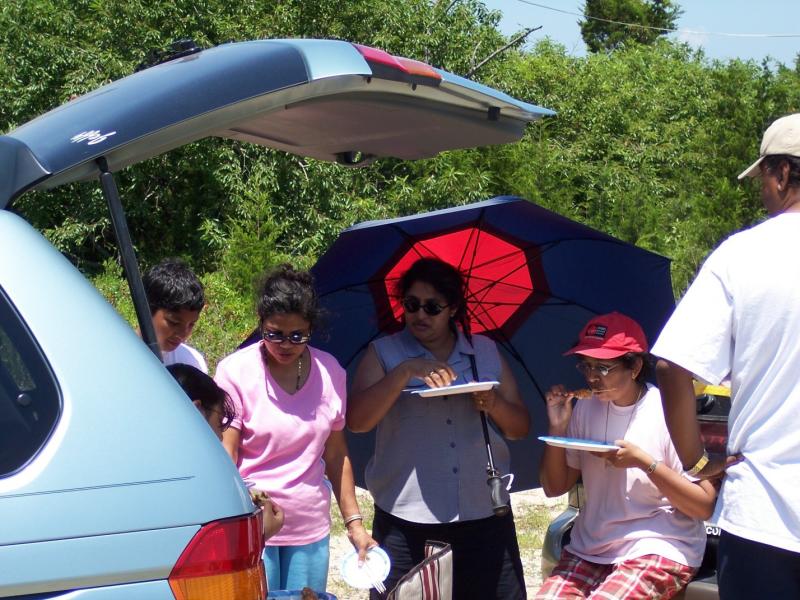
180,476
315,98
143,590
94,561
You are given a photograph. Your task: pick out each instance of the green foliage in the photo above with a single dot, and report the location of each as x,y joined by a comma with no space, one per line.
229,317
112,285
646,144
603,28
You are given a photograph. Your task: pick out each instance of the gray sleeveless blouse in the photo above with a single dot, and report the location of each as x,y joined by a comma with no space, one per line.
430,460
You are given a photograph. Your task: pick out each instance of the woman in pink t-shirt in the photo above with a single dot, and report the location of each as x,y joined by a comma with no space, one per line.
287,437
640,530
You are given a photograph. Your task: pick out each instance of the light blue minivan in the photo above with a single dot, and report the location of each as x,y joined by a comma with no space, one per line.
111,483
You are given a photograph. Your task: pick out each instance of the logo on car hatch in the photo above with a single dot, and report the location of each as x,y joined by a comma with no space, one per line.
91,137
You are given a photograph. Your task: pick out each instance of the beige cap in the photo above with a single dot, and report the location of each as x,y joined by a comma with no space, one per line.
782,137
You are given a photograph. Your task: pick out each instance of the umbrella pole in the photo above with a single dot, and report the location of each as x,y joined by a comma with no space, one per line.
501,503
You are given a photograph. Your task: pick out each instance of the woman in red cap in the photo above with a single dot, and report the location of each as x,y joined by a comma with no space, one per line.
640,531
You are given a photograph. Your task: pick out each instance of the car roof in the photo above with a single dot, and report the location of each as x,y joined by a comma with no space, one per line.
326,99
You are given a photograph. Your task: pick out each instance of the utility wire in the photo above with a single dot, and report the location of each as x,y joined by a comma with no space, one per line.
664,29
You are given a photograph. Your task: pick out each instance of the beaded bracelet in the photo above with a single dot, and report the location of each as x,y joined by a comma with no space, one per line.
351,518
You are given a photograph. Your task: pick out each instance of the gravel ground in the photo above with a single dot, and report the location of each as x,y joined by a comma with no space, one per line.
532,511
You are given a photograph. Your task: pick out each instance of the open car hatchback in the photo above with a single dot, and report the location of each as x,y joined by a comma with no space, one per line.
111,483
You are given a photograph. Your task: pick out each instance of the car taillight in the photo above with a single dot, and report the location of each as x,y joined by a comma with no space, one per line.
387,66
222,561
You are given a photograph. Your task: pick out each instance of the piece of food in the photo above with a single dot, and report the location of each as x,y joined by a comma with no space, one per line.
308,594
259,498
582,394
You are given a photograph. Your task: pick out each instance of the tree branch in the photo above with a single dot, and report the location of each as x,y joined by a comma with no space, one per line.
513,42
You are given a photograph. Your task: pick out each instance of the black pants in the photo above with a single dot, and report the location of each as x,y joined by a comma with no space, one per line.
748,570
486,562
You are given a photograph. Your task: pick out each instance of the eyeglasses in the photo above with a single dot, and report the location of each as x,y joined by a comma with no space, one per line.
278,337
432,308
587,369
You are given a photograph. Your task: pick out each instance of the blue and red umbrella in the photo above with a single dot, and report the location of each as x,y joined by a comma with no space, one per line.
534,278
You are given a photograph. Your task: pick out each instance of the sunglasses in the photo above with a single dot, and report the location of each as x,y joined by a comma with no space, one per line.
603,370
278,337
432,308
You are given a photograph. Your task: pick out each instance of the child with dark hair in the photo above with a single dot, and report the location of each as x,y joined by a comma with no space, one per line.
215,405
210,399
176,298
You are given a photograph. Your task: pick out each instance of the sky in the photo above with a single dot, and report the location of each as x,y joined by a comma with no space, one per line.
702,21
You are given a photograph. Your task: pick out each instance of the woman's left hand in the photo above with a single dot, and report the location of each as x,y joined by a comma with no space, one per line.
361,540
629,455
485,400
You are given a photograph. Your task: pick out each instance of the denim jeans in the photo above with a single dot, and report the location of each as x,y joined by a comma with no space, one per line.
296,567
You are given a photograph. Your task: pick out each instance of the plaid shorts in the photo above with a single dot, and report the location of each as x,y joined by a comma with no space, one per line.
649,576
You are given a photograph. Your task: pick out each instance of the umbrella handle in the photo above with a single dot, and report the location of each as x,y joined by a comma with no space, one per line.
501,503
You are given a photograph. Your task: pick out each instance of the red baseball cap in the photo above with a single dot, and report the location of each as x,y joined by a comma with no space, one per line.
610,336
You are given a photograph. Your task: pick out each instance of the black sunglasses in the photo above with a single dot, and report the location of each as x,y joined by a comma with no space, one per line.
412,305
278,337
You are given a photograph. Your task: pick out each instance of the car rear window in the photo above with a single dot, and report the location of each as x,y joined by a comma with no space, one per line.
29,398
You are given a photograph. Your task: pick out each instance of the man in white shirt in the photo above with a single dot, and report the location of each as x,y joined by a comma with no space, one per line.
176,298
741,318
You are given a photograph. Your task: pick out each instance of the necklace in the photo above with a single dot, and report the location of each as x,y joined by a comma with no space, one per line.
630,416
265,358
299,372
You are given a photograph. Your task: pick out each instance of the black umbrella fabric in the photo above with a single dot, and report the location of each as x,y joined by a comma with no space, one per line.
534,278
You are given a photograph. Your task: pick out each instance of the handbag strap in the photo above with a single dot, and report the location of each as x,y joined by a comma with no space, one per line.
474,367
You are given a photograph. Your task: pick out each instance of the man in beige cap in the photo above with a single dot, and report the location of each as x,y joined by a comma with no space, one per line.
741,318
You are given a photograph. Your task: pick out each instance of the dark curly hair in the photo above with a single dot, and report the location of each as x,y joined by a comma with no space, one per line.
284,291
445,279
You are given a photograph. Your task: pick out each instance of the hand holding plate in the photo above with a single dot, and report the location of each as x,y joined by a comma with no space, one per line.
629,455
484,401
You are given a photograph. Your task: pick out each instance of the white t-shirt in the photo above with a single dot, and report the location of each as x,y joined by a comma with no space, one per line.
187,355
625,515
741,316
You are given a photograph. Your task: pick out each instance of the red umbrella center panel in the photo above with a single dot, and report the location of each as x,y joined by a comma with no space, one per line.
504,278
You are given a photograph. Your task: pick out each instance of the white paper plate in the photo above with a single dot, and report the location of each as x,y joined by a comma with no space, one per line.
577,444
377,567
462,388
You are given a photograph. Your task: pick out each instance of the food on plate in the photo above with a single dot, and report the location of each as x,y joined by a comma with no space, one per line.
308,594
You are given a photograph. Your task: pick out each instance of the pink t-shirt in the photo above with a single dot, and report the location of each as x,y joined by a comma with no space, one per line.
284,435
624,514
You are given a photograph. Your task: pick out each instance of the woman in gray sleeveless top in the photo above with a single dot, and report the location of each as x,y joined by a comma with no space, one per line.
428,473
